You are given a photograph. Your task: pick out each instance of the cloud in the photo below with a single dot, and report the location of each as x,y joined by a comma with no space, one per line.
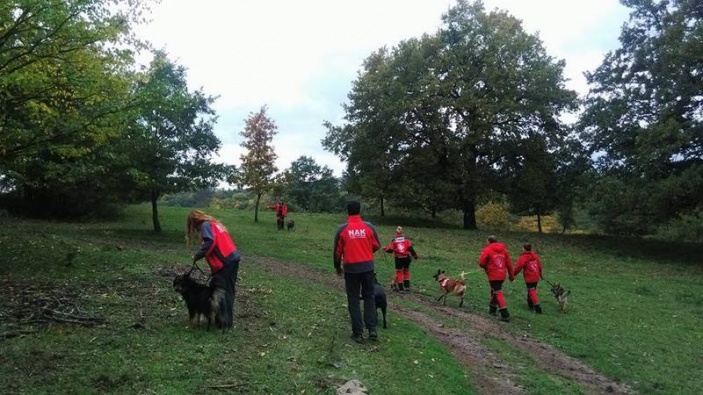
300,57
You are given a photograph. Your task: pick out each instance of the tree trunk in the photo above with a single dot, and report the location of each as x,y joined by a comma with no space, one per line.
470,215
539,223
155,211
383,209
256,207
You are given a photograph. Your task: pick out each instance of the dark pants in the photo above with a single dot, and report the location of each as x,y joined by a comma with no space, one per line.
361,284
402,263
226,279
280,221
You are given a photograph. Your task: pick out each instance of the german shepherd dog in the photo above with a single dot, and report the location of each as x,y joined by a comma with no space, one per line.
561,294
450,285
379,296
201,300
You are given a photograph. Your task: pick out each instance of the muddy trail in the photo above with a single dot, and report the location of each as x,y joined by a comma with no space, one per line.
492,375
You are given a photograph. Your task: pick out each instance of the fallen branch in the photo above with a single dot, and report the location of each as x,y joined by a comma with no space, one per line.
223,386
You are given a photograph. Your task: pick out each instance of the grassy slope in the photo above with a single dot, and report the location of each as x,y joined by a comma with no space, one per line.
635,312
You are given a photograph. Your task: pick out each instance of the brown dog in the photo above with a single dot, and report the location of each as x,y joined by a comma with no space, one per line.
561,295
202,301
450,285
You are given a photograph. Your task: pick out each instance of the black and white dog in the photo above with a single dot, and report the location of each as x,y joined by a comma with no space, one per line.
202,300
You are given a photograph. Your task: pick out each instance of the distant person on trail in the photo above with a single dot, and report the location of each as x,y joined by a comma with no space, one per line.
529,261
402,249
281,212
494,259
218,249
355,242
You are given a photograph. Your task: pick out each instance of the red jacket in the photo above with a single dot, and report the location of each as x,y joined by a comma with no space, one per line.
354,245
529,261
216,245
401,247
496,262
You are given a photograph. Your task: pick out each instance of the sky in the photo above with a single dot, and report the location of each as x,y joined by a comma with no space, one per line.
300,57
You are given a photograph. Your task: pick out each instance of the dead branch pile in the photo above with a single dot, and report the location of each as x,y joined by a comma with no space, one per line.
27,303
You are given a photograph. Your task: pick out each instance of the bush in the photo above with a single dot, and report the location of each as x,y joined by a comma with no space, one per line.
687,227
493,215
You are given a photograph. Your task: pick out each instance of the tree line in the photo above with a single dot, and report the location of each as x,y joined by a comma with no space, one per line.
472,113
475,113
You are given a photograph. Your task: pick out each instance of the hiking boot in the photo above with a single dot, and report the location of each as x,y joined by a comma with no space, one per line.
357,338
406,284
504,315
492,310
538,309
530,305
373,336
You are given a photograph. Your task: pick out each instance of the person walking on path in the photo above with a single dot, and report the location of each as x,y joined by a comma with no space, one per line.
355,242
402,249
528,262
495,260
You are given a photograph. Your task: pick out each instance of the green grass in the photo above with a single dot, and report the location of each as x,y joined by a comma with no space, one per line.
635,311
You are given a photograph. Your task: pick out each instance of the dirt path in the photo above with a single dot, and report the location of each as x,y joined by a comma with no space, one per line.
491,373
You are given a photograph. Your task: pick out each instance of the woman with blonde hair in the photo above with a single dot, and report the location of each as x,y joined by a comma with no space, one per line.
220,252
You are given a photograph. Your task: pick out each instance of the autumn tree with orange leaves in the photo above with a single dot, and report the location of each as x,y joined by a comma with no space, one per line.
258,163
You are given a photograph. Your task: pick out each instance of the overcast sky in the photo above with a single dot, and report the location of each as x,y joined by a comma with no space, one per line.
299,57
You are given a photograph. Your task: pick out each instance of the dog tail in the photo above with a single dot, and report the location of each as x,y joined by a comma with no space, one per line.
567,293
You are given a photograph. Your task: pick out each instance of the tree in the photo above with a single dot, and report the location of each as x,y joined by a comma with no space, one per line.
643,118
312,187
457,101
171,142
64,83
258,163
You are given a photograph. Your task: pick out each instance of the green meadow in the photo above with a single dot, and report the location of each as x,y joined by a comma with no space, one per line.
634,315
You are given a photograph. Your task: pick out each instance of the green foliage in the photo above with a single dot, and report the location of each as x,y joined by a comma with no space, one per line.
432,122
311,187
291,331
643,117
687,227
64,86
171,141
494,215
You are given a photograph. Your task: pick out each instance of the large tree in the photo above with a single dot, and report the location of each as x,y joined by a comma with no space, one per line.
445,110
258,163
644,118
172,140
312,187
64,84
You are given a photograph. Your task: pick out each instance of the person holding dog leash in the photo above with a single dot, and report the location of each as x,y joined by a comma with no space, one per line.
402,249
495,260
529,261
355,242
220,252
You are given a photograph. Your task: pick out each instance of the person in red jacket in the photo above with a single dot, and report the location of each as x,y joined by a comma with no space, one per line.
402,249
529,261
220,252
354,245
495,260
281,212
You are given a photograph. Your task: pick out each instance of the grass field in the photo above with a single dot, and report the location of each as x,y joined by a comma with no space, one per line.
635,312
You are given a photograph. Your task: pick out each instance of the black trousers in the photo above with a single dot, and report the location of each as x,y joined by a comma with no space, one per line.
226,278
361,284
